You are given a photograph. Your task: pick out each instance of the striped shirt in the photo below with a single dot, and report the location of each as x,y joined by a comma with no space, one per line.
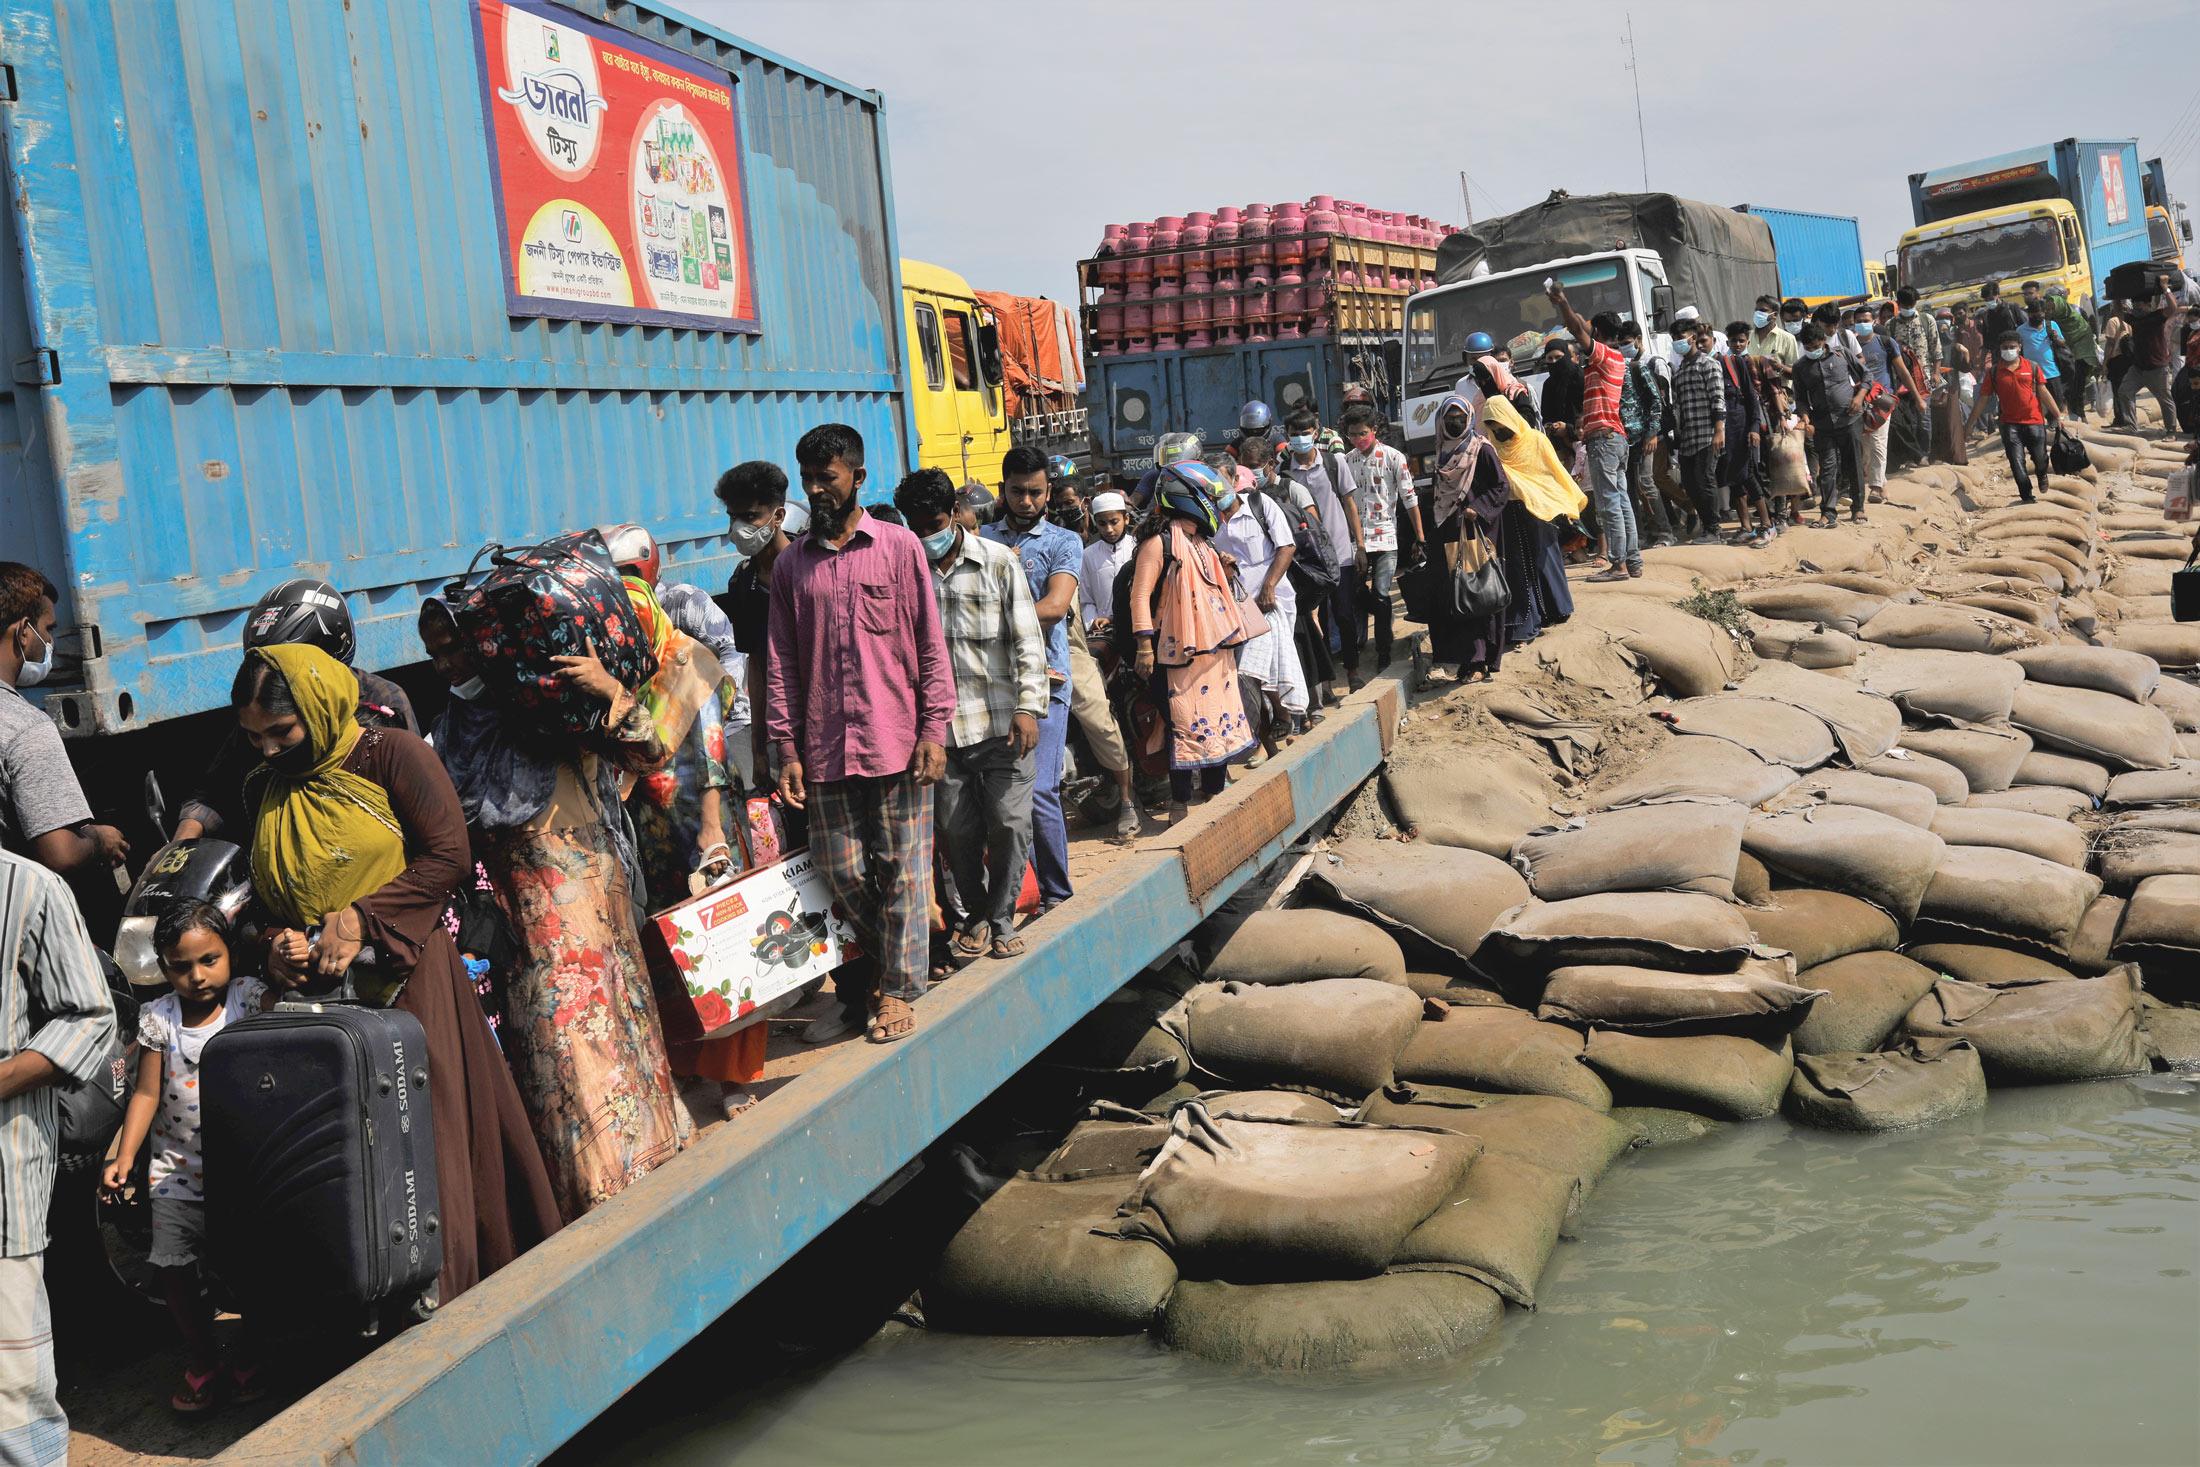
53,999
1600,384
993,640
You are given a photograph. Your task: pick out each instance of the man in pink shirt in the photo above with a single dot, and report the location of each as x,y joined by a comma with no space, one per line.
858,699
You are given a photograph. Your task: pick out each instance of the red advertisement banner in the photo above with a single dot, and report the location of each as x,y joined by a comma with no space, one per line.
617,169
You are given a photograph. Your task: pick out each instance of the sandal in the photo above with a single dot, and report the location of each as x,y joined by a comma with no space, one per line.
197,1393
967,947
892,1020
735,1098
1616,573
245,1385
1009,945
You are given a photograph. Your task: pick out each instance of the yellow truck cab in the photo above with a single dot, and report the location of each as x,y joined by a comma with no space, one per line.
1949,260
954,375
2162,242
1875,280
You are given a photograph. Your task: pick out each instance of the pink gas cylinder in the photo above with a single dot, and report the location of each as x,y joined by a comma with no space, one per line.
1167,231
1257,311
1254,252
1224,237
1137,238
1288,231
1227,311
1198,230
1110,270
1167,313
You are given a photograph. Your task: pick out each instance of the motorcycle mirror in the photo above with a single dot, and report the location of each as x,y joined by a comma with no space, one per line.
156,805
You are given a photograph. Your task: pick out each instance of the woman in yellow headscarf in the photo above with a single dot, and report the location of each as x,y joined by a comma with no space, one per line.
358,832
1543,493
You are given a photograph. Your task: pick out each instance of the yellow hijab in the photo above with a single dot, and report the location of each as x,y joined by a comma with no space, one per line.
328,837
1539,479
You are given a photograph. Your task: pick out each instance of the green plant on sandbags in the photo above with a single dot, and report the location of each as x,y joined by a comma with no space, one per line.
1257,1200
1917,1082
1734,1077
1506,1050
1819,926
1498,1227
1304,944
1866,995
1992,967
1760,996
2042,1033
1390,1322
1338,1036
1550,1131
1041,1258
1445,897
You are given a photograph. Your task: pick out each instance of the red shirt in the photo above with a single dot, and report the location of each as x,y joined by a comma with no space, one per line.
1600,384
2018,386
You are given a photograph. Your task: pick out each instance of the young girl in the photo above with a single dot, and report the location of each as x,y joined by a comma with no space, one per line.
192,939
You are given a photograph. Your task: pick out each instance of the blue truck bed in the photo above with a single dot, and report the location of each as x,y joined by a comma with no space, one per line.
255,297
1133,399
1820,256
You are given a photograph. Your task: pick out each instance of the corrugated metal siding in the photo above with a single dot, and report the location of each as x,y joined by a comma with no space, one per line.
263,242
1820,255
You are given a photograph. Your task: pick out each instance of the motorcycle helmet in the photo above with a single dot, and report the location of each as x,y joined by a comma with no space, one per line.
1481,343
1254,418
302,611
1061,469
205,869
633,551
1177,448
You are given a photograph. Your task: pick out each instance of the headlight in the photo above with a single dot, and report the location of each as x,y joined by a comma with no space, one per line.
134,953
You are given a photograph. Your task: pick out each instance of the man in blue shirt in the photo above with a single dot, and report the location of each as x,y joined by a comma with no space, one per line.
1052,558
2042,341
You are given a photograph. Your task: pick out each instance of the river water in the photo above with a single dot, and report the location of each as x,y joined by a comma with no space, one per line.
2019,1287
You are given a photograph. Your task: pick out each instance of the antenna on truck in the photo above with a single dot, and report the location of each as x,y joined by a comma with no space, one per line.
1466,200
1636,73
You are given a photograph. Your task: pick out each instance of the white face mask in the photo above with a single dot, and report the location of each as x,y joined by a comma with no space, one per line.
34,673
470,690
752,540
2010,353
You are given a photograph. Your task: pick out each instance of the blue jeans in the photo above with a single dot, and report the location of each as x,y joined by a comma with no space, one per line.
1608,487
1049,832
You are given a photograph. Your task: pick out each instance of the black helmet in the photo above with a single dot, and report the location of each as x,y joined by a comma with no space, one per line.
304,610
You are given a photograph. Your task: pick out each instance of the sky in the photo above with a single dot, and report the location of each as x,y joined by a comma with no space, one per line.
1018,128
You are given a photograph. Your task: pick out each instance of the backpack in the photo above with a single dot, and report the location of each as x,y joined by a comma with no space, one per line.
1314,571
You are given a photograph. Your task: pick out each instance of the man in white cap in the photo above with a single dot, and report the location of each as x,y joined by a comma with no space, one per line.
1111,549
1685,321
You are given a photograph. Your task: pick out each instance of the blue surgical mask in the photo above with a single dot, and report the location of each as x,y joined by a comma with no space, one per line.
1816,353
1760,319
1630,352
1228,502
470,690
1301,442
1863,328
937,546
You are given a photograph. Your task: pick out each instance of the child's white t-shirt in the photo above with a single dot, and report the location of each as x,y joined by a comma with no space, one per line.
178,1167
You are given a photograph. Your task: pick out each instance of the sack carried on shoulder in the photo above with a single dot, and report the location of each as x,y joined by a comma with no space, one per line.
1478,588
2066,455
542,602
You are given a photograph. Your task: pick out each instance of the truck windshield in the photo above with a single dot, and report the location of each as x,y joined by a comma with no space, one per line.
1513,310
1990,252
2161,239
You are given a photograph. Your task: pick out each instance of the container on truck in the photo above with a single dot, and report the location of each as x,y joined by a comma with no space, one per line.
1189,317
2066,212
1821,256
350,296
955,375
1638,255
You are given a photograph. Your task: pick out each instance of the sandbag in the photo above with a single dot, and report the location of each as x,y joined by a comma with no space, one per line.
1944,780
2180,700
1826,606
1110,1142
1498,1227
1042,1258
2171,1033
1861,582
1381,1324
1912,804
1991,967
1968,687
1919,1082
2012,830
2128,857
2052,801
1988,757
2009,895
1804,644
2103,669
1775,732
1504,1050
1686,655
1818,926
2116,731
1302,946
1844,848
1864,725
2171,644
1120,1050
1731,1076
1752,882
1656,929
2005,565
2041,1033
2179,784
1680,846
1948,628
1865,997
2016,608
1563,1135
1268,1105
1482,804
1692,767
1441,895
2064,771
2180,817
1760,997
2095,939
1661,1126
1338,1035
1255,1200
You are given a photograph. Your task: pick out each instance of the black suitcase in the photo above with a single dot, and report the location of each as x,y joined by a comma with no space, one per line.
320,1160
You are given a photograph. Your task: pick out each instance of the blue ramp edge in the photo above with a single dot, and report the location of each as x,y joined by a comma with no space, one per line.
521,1363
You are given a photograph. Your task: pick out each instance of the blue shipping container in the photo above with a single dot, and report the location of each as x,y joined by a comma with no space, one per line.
257,316
1820,256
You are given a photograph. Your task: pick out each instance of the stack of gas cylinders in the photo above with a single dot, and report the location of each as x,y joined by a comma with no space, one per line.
1261,272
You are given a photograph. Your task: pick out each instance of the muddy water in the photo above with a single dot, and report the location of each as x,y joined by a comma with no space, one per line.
2019,1287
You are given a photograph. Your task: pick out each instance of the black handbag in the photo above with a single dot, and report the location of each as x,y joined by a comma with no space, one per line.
2066,455
1480,593
2184,587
